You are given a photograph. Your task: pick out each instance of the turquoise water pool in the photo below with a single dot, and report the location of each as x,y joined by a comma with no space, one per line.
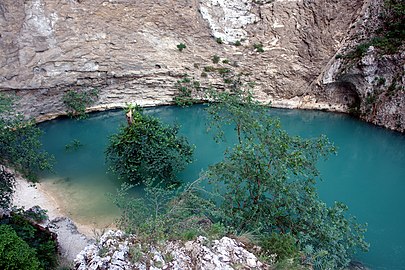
368,173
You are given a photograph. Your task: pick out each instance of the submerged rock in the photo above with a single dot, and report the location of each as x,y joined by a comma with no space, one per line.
116,250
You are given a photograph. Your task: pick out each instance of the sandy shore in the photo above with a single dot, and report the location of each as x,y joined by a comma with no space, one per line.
72,237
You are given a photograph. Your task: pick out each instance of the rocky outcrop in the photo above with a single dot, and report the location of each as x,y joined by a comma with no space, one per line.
227,18
373,82
116,250
70,240
127,49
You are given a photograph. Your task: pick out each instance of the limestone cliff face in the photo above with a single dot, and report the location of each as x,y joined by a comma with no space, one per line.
373,81
127,49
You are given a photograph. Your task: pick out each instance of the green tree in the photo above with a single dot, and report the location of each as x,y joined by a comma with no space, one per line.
148,149
20,144
267,183
15,254
77,102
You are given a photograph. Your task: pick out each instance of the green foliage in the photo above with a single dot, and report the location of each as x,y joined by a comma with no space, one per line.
209,69
258,47
7,182
204,74
237,43
380,81
6,103
392,34
185,88
219,40
168,213
394,88
181,46
38,238
390,37
135,254
225,61
73,146
215,59
15,254
359,51
77,102
371,98
20,144
284,245
148,149
267,182
223,71
36,214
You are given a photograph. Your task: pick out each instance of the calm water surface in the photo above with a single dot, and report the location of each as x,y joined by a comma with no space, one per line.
368,173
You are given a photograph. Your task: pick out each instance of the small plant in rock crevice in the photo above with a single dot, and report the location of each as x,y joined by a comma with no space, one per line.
181,46
258,47
215,59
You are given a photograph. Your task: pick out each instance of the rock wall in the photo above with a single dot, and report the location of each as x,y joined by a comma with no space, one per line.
375,82
127,49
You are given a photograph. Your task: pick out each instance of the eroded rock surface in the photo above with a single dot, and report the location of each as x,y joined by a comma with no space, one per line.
115,250
374,83
127,49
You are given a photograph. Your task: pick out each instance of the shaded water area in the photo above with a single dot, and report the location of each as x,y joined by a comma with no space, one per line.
368,173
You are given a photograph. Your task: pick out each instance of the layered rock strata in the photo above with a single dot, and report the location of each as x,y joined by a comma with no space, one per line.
127,49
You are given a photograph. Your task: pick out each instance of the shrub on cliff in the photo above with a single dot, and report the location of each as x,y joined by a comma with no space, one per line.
185,88
20,144
148,149
77,102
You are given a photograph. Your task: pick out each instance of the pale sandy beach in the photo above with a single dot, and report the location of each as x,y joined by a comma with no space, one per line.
72,237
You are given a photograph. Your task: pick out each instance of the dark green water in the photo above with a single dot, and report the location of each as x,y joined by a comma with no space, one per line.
368,173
